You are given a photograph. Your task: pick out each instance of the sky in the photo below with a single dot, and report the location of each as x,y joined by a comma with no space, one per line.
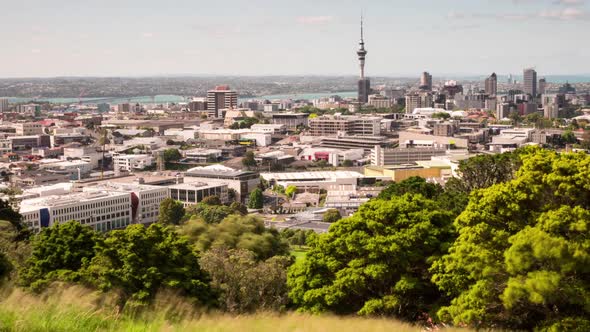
42,38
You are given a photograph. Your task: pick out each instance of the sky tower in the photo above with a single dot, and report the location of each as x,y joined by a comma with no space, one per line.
364,84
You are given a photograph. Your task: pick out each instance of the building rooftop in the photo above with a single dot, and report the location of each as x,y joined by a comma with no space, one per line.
195,185
33,204
309,176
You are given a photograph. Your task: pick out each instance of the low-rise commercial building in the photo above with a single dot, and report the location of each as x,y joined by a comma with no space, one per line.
132,162
194,192
348,125
242,182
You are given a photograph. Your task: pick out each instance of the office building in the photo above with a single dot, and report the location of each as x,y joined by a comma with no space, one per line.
491,85
542,86
195,192
101,210
197,105
222,97
132,162
426,81
398,156
530,82
148,198
418,100
242,182
28,128
364,84
124,108
290,120
347,125
379,101
4,104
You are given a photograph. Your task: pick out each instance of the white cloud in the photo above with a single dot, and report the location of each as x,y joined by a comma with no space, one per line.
314,19
567,14
147,35
35,51
569,2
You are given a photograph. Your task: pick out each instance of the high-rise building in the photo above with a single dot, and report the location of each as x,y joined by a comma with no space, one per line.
221,98
364,84
3,104
530,82
491,85
426,81
542,86
418,100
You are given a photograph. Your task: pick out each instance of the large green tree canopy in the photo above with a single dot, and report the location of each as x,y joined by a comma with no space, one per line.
59,252
375,262
521,259
236,232
139,261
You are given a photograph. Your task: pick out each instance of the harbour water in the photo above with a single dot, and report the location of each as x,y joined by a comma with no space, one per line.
162,99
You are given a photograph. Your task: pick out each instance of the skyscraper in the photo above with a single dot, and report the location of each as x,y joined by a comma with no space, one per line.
542,86
364,84
492,85
221,98
3,104
426,81
530,82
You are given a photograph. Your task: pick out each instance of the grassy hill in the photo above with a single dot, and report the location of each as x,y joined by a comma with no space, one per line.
78,309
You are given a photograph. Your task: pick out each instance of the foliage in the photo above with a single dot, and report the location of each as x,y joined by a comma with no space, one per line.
139,261
239,208
414,185
347,163
256,200
248,159
485,170
277,188
210,214
236,232
78,309
331,216
247,284
211,200
171,212
297,237
521,258
245,123
172,155
568,137
58,253
5,266
375,262
441,115
290,191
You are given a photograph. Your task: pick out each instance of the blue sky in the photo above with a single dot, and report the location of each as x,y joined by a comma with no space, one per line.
292,37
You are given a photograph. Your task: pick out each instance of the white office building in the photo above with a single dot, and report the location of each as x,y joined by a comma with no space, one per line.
132,162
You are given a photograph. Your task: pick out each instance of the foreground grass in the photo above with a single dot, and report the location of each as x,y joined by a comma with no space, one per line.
78,309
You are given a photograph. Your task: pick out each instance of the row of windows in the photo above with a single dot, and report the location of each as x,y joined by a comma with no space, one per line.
77,208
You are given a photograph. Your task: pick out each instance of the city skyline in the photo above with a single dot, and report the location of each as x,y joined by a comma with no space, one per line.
445,38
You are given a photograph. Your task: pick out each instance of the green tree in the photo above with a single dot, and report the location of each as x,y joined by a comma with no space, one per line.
248,284
171,212
239,208
441,115
139,261
249,160
290,191
375,262
414,185
256,200
236,232
331,216
520,259
172,155
568,137
211,200
485,170
347,163
58,253
212,214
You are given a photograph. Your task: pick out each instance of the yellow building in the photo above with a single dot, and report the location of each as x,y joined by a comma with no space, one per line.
400,173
